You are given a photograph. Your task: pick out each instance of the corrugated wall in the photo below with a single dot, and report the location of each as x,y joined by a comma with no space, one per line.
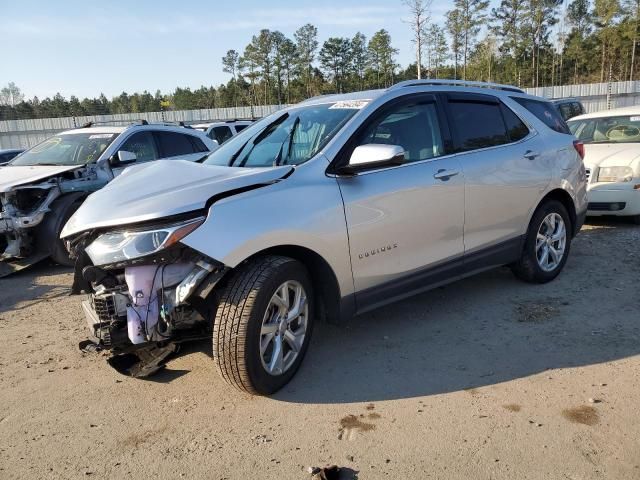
27,133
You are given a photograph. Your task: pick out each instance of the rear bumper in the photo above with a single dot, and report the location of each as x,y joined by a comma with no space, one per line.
613,202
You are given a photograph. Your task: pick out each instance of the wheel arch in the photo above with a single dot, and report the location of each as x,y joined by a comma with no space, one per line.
323,278
566,200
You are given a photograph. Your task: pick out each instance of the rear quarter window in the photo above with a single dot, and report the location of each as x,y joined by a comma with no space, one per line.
545,112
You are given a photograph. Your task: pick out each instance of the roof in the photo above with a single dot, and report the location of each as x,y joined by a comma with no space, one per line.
10,150
427,85
322,99
614,112
96,130
221,122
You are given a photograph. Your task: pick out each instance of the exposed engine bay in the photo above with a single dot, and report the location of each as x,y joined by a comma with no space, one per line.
24,207
142,311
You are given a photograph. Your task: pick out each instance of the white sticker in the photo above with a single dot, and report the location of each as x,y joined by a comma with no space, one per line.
101,135
634,119
350,104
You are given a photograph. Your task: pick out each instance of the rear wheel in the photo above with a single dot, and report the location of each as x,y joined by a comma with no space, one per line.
547,244
263,324
636,219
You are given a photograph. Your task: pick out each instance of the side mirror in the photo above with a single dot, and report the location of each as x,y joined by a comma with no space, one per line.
373,155
122,158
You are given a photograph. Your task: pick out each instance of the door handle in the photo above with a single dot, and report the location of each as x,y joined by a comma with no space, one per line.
531,155
445,175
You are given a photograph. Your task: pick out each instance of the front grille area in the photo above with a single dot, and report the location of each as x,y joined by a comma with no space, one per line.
606,206
105,308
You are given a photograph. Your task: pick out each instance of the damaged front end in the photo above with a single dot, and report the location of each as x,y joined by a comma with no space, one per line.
26,233
147,293
22,209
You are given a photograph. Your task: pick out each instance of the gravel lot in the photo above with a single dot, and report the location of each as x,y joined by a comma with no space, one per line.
485,378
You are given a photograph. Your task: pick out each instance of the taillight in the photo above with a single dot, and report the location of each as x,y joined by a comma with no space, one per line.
579,146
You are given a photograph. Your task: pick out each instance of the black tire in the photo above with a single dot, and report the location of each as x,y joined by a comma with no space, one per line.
527,267
238,321
635,219
59,253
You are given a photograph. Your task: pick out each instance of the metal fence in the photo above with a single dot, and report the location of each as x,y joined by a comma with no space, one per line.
26,133
595,96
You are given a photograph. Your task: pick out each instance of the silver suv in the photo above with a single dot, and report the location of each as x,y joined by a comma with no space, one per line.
327,209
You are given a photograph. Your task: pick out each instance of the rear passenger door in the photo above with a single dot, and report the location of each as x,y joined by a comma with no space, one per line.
174,145
505,168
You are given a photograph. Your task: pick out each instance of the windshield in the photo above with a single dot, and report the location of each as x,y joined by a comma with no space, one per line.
288,138
623,129
67,149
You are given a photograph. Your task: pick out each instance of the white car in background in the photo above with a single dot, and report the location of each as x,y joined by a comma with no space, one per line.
612,159
222,131
41,188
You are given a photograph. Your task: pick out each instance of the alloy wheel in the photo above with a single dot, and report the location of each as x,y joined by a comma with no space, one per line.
551,242
284,327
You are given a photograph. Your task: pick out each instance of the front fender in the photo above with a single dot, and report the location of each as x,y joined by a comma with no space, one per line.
303,210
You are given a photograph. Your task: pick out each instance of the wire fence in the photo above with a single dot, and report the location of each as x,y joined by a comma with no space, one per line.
27,133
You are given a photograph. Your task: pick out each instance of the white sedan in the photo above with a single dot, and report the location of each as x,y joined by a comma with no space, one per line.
612,160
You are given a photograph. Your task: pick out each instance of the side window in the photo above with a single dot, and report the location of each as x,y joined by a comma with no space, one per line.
198,145
516,129
413,126
545,112
143,145
565,111
240,127
221,134
577,109
173,144
477,124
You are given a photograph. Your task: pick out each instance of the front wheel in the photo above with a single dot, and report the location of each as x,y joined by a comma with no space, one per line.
547,244
263,324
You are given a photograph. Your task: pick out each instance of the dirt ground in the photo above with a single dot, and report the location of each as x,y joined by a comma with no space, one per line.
487,378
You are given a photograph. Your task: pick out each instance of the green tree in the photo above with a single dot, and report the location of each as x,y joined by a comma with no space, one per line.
382,56
306,38
455,28
335,59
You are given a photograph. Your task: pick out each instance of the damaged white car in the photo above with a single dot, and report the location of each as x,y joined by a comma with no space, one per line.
327,209
40,189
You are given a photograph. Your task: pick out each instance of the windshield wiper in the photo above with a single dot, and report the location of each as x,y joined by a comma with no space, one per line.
290,137
258,138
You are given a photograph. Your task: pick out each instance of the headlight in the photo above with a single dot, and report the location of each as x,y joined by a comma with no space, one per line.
615,174
116,247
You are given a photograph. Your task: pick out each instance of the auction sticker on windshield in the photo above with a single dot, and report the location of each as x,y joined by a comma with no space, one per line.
101,135
350,104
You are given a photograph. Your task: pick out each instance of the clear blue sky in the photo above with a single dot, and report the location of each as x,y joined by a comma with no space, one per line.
87,47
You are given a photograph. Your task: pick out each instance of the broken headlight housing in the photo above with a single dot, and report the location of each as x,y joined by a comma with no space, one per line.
119,246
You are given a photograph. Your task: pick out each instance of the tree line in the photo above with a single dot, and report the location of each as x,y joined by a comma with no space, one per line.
528,43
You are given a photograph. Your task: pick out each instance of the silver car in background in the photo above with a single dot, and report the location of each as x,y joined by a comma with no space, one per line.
325,210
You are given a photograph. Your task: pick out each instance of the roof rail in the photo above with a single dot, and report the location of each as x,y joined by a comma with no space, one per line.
140,121
458,83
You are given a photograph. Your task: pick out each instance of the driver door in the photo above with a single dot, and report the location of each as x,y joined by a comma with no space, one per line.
405,222
143,145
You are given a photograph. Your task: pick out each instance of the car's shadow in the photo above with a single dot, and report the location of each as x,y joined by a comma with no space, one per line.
480,331
19,291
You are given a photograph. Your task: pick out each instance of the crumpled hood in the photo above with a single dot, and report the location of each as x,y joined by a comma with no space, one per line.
161,189
611,154
14,176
